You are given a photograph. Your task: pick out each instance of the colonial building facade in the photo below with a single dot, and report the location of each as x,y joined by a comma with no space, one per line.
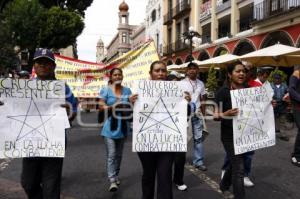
229,26
154,23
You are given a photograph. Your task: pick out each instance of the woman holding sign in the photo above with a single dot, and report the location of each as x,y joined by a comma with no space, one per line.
235,173
114,99
157,163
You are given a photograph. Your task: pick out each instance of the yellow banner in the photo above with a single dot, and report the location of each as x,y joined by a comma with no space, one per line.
136,63
86,79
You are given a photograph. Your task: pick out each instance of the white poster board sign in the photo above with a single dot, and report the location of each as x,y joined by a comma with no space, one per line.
160,117
32,121
254,127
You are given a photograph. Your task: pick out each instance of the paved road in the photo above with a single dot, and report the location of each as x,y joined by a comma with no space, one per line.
84,175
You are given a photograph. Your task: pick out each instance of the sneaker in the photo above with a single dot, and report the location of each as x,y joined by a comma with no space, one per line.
295,161
222,174
113,187
181,187
118,182
248,182
201,167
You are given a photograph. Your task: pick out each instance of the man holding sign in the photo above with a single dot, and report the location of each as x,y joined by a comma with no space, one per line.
41,136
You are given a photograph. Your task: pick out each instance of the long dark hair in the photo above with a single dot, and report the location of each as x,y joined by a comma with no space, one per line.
111,72
230,68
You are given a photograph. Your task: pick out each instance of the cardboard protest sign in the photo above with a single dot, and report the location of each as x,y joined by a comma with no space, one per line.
160,117
254,127
32,121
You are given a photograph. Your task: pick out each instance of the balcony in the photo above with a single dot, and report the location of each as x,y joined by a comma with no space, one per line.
168,18
205,11
180,45
181,8
222,5
270,8
168,50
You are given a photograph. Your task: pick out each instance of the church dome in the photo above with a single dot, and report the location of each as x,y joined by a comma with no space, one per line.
123,7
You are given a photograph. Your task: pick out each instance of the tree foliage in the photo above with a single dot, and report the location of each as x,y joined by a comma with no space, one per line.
23,19
279,72
60,28
38,23
8,57
78,6
212,82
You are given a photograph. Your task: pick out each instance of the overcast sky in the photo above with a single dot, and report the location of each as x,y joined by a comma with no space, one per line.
101,20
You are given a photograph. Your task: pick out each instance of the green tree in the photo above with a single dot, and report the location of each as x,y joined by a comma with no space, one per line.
60,28
8,57
30,25
212,82
78,6
280,72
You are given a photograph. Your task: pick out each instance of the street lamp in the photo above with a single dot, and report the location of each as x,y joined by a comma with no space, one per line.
190,37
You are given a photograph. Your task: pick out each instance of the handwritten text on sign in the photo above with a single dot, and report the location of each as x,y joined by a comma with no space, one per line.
160,117
254,127
32,121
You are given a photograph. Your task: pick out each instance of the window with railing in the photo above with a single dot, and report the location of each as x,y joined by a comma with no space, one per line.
182,5
205,9
223,5
269,8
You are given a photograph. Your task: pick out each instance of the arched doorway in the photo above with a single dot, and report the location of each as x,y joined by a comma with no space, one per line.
298,42
243,47
189,58
220,51
281,37
178,61
203,74
203,56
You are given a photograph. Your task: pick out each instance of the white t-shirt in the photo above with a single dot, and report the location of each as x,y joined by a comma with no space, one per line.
196,89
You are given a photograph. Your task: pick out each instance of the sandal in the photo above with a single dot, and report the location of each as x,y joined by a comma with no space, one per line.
295,162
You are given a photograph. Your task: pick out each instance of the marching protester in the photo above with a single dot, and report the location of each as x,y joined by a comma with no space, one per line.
113,99
234,174
294,91
280,90
262,76
180,157
157,163
196,89
41,176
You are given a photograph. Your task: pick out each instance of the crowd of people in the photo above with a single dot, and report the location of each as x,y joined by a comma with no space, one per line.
41,177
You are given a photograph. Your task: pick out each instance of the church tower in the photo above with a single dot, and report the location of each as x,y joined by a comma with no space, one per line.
100,54
124,29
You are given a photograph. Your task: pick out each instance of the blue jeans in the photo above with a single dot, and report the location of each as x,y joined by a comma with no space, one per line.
197,128
247,162
114,150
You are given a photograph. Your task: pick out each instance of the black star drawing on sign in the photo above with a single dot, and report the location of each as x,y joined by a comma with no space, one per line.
169,116
259,125
32,123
